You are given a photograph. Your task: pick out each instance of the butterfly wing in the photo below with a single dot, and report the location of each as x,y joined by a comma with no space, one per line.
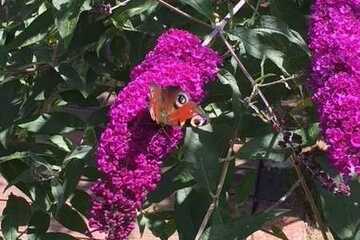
162,103
155,103
183,114
163,108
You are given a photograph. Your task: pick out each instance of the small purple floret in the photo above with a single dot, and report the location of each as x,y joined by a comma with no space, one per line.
132,146
335,44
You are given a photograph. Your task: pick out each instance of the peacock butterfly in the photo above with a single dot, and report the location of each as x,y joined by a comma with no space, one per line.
172,106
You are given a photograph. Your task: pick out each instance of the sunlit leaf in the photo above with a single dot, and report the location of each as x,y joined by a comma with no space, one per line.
34,32
188,212
56,236
73,172
17,211
61,142
204,7
80,152
67,15
272,25
39,223
267,147
121,17
172,180
13,156
161,224
80,200
243,227
8,228
342,213
54,123
71,219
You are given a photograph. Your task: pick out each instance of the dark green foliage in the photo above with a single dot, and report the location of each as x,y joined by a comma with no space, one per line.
61,62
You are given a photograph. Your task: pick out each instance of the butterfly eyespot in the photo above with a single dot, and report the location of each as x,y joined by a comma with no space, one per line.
181,99
198,121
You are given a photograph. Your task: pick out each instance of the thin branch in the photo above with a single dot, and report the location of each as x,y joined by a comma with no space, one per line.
275,121
282,80
218,29
309,197
171,7
255,9
273,117
121,4
220,26
216,197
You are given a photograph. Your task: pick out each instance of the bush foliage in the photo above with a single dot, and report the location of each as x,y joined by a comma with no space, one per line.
62,61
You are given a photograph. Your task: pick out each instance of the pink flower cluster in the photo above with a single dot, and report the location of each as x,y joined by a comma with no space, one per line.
335,43
132,146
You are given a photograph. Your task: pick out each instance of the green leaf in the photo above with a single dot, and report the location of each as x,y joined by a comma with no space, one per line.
54,123
270,39
289,12
67,15
2,37
80,200
71,219
61,142
175,178
188,212
8,228
228,79
4,54
261,45
79,152
27,176
161,224
45,87
56,236
39,223
73,78
73,172
267,147
10,100
121,18
204,7
36,31
17,211
203,149
57,191
82,36
342,213
264,147
278,232
4,137
273,25
245,187
89,137
10,170
241,228
14,156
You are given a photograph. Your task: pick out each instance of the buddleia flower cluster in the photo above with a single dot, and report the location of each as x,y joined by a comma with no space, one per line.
335,78
132,146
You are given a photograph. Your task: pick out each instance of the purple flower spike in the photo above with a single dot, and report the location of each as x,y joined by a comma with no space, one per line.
335,43
132,146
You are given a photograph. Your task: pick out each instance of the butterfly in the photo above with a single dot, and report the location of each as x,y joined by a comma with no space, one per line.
172,106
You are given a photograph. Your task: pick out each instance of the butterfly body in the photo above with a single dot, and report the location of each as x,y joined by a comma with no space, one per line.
171,106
